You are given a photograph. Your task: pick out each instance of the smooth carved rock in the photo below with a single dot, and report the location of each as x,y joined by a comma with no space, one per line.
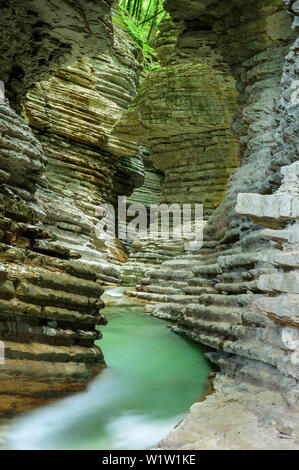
230,419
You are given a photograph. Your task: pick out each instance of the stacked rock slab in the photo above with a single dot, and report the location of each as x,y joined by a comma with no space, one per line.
147,195
183,111
49,305
151,190
255,399
72,115
39,36
218,295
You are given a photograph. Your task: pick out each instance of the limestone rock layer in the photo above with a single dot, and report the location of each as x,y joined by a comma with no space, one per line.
52,179
220,120
183,111
48,306
73,114
38,37
237,295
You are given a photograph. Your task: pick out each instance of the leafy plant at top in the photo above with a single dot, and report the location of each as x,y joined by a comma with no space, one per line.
141,18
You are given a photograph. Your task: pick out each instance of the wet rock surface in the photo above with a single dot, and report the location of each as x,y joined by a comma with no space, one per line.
49,306
231,419
72,115
183,111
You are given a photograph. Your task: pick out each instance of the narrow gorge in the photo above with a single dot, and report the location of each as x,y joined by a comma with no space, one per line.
127,106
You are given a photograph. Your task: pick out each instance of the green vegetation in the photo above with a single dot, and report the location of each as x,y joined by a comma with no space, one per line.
141,18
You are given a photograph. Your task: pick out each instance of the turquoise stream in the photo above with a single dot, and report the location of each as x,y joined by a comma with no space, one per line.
153,376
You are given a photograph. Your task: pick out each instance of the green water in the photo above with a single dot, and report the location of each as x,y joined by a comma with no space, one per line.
165,372
153,377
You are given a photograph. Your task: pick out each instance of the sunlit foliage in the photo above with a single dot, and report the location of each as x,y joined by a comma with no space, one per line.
142,18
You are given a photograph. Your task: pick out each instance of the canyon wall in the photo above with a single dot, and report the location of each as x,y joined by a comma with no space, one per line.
238,295
219,118
37,37
183,112
72,115
53,176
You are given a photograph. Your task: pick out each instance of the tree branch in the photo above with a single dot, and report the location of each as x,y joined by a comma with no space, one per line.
151,18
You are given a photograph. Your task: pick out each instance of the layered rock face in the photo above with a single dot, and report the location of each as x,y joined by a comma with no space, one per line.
254,41
52,268
183,111
151,190
147,195
38,37
237,295
49,306
255,399
72,115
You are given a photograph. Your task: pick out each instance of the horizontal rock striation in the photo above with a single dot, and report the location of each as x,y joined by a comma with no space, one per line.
39,36
48,306
216,298
281,302
237,295
151,190
51,180
183,111
256,336
146,195
254,40
72,114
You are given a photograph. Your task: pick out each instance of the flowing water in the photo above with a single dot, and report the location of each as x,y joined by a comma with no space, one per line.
153,376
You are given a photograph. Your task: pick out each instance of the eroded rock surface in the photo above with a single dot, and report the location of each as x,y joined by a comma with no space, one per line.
72,115
183,111
38,37
48,306
52,266
235,417
237,295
